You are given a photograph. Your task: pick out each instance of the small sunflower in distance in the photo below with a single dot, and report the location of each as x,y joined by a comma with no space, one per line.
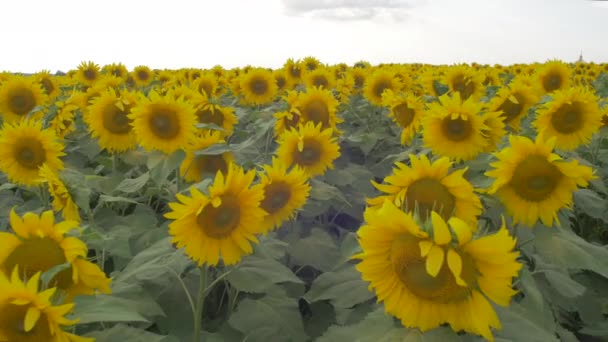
427,187
379,81
223,223
88,73
309,147
533,182
465,81
406,110
194,167
285,192
62,200
428,275
27,314
108,120
572,118
258,87
454,128
19,96
48,83
142,75
162,122
40,244
24,147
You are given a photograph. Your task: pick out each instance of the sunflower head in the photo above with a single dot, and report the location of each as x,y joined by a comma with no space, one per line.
310,63
434,273
453,128
294,70
116,69
406,110
142,75
310,147
465,81
533,182
88,73
554,75
206,84
318,106
62,200
19,96
380,80
223,222
258,87
320,78
194,167
49,83
514,101
208,112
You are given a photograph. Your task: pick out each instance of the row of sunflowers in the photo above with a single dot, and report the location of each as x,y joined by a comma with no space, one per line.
393,202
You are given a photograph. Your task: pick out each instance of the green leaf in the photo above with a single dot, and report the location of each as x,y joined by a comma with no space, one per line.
125,333
377,326
257,274
344,288
210,126
591,204
325,251
322,191
108,199
104,308
564,284
521,324
214,150
274,317
47,276
132,185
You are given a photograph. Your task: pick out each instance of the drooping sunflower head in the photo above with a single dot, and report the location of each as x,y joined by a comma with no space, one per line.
282,80
63,123
435,273
196,166
294,70
430,186
286,120
109,122
554,75
572,117
464,80
258,87
162,122
320,78
454,128
27,314
62,200
142,75
495,131
406,110
285,192
310,147
40,244
375,84
24,147
48,82
514,102
88,73
318,106
533,182
19,96
223,223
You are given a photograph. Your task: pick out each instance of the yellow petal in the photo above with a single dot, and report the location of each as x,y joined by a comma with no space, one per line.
513,99
461,229
434,261
216,202
425,247
455,265
300,145
441,233
31,318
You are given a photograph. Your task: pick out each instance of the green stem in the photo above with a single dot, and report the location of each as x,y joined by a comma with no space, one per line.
200,300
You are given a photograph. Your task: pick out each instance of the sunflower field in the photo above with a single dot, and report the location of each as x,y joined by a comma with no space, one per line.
315,202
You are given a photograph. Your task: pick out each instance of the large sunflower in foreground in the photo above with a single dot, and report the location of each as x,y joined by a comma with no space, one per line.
24,147
406,110
107,118
194,167
533,182
223,223
19,96
428,275
27,314
427,187
309,147
40,244
572,117
454,128
379,81
62,200
318,106
285,192
163,122
554,75
258,87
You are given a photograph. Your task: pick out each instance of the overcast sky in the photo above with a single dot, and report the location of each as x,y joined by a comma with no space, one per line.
59,34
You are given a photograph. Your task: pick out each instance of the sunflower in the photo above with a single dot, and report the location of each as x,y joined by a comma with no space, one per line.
285,192
406,110
107,118
310,63
294,70
163,123
572,117
62,200
533,182
48,83
310,146
345,86
427,186
318,106
209,112
377,83
142,75
63,122
40,244
359,75
116,69
428,275
466,81
514,101
24,147
223,223
320,78
194,166
454,128
430,79
495,132
283,82
206,84
554,75
88,73
27,314
258,87
19,96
